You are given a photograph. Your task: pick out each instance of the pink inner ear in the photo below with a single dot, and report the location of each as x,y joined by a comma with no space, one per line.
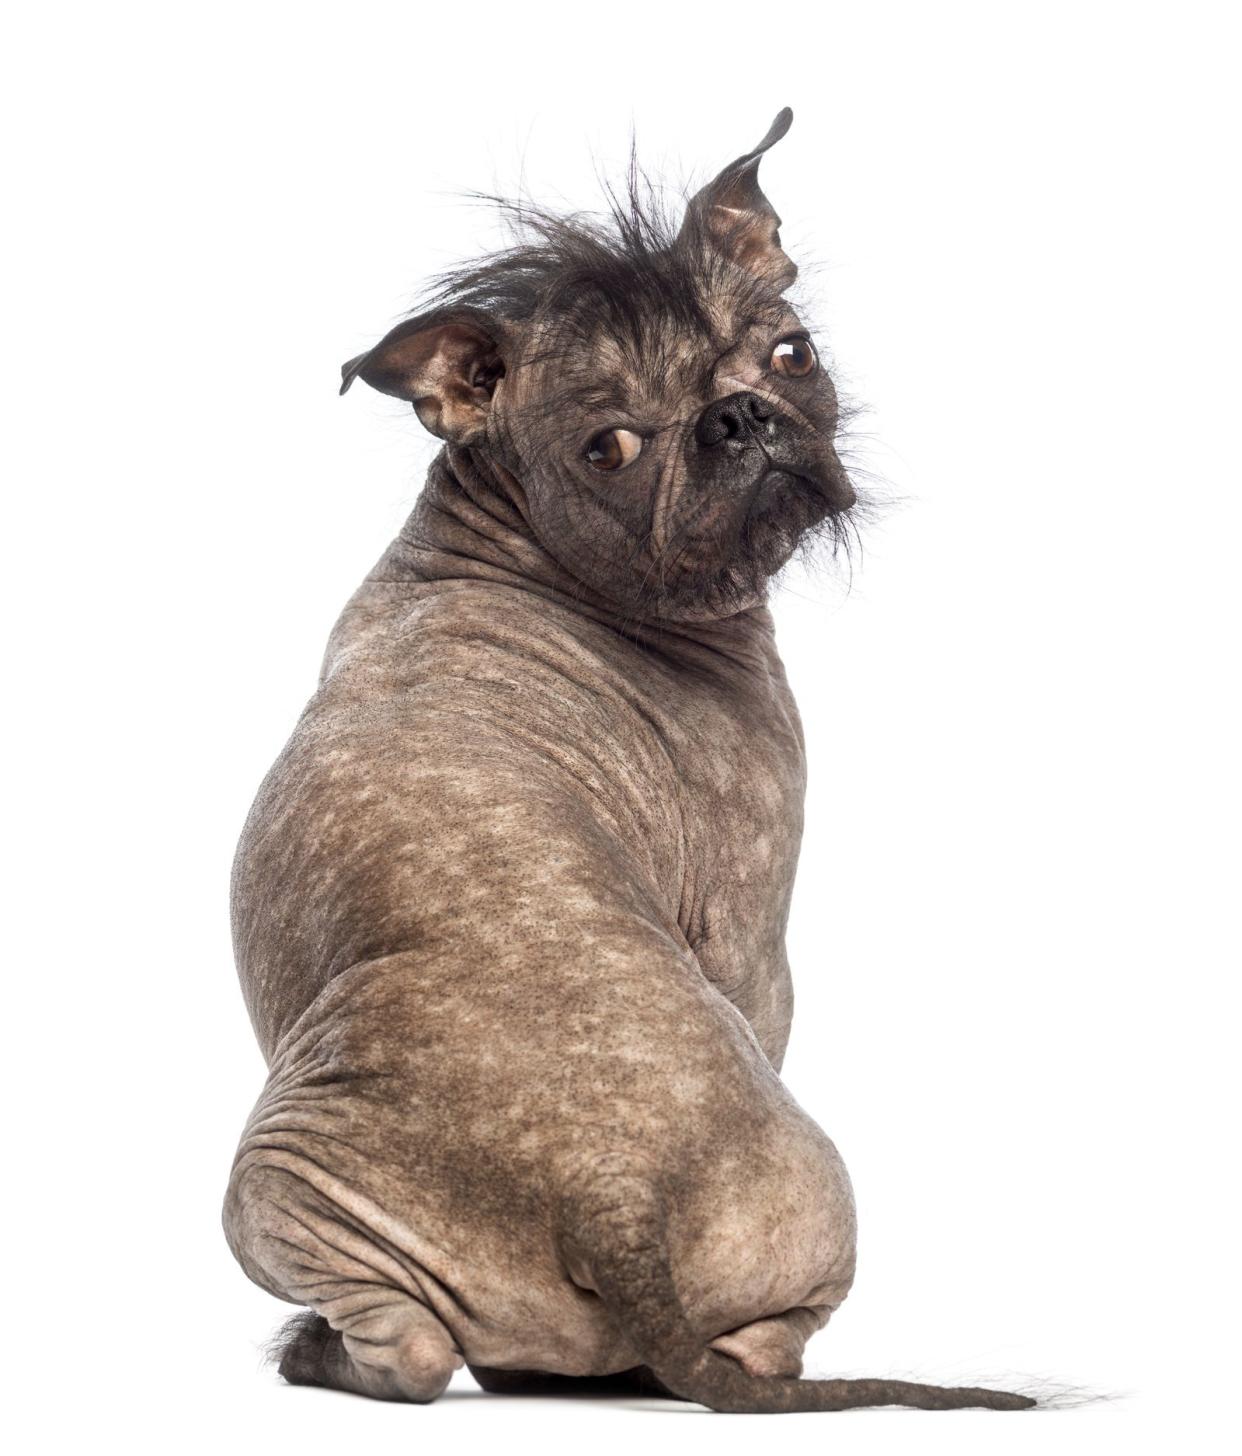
447,370
751,237
443,357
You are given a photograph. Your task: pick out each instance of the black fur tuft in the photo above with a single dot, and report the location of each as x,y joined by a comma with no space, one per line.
303,1349
620,271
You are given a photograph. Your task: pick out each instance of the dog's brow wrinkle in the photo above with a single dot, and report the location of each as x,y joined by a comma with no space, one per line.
598,398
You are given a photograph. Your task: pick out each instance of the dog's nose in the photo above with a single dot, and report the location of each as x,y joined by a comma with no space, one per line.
736,417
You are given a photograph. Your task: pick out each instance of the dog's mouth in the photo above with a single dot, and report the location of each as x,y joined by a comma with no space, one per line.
732,540
833,494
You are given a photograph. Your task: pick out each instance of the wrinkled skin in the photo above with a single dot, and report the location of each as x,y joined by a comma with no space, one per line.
510,907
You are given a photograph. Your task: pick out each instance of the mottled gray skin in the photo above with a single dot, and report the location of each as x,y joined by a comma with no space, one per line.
507,910
510,907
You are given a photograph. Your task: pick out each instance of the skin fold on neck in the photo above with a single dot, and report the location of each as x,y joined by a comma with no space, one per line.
471,522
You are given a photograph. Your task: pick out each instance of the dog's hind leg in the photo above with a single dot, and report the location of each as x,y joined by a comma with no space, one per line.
404,1354
366,1330
772,1346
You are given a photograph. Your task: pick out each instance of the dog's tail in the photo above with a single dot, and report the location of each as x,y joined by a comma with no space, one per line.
614,1228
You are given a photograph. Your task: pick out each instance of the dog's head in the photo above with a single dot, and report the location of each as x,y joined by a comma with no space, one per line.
667,415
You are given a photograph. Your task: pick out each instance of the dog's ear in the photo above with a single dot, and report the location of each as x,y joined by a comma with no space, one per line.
732,215
446,364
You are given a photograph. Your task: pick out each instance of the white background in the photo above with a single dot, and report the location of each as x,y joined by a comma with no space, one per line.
1012,941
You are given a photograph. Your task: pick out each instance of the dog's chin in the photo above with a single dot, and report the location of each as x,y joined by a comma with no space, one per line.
787,492
784,508
829,485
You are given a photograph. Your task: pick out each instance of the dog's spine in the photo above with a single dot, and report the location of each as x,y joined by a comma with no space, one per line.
615,1228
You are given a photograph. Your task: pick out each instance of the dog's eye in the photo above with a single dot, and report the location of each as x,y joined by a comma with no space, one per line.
794,357
614,449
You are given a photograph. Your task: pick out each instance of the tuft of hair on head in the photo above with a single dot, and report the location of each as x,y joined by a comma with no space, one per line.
631,270
623,269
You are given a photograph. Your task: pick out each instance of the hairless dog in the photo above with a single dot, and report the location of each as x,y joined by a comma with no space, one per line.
510,907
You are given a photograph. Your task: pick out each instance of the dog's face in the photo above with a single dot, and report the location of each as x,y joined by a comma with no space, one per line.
666,413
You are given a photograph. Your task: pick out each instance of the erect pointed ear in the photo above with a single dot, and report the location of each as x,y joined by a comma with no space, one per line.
446,363
732,215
